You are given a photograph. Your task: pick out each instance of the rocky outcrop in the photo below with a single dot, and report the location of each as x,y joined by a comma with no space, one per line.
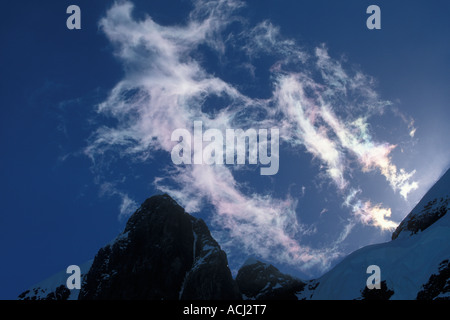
209,277
384,293
431,212
438,286
60,293
261,281
434,205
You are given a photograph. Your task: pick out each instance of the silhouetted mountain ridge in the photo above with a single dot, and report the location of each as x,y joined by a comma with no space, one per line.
165,253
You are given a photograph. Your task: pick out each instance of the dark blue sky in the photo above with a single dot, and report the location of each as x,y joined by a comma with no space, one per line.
58,206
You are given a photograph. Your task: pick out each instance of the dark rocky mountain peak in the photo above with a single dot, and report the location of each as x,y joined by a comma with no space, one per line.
163,253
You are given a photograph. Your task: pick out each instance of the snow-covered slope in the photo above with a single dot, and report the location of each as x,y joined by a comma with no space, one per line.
410,264
54,287
432,207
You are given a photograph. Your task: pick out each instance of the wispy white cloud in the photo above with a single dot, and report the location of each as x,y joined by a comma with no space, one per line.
374,215
369,153
165,94
165,87
369,214
300,125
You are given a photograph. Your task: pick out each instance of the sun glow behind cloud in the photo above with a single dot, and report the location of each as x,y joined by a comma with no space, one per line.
327,116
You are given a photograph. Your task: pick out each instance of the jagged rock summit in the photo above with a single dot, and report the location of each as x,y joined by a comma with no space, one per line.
163,253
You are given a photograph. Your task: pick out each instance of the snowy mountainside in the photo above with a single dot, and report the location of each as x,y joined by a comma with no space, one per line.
406,265
414,263
54,287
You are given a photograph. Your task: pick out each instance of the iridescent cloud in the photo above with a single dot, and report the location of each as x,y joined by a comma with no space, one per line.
165,87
